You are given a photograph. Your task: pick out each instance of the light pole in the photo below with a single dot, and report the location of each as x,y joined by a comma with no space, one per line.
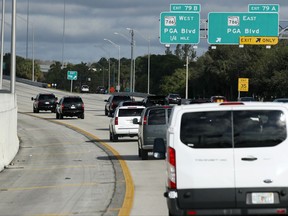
117,46
132,75
63,36
27,31
2,42
148,65
132,57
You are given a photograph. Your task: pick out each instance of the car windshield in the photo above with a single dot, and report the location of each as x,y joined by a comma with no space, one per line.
121,98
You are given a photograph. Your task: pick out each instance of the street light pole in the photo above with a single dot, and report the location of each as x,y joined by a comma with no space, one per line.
132,72
2,42
63,36
148,65
27,31
117,46
132,55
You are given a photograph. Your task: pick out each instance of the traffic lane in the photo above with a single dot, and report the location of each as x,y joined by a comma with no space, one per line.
148,176
58,171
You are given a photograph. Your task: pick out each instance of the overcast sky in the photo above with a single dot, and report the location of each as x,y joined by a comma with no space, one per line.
88,22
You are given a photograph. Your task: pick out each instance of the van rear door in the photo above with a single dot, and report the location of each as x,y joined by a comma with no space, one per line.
260,149
204,160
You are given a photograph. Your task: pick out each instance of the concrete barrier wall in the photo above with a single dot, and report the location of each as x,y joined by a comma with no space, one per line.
9,142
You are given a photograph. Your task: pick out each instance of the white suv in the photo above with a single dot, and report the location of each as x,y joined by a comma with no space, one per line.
227,159
122,122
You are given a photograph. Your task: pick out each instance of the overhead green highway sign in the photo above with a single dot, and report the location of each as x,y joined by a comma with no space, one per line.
227,28
179,28
185,7
263,8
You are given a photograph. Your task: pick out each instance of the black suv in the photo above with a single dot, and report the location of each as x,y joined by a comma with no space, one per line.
113,102
70,106
153,100
44,101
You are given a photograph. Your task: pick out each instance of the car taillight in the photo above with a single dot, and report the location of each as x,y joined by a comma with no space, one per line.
171,168
83,106
144,120
116,120
62,106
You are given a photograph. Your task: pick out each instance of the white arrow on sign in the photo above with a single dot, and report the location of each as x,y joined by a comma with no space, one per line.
218,40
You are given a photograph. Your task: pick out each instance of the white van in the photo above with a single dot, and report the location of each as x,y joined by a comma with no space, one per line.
227,158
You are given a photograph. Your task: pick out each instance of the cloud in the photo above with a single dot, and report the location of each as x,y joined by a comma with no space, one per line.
88,22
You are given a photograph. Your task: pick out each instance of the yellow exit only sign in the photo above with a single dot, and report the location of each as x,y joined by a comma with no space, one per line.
243,84
258,40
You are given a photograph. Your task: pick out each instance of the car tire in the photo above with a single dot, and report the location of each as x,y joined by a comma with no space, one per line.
106,112
82,116
114,137
110,136
36,110
139,152
144,154
57,115
60,116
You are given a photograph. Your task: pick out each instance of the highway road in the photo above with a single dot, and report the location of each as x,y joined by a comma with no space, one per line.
120,184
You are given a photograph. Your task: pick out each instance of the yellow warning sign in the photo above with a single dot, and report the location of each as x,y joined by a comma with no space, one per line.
243,84
245,40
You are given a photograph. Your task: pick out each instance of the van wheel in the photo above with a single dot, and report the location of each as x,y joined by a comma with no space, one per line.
57,115
144,154
139,152
60,116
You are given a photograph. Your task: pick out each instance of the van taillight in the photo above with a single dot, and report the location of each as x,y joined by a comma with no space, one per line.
83,106
116,120
172,168
144,120
62,106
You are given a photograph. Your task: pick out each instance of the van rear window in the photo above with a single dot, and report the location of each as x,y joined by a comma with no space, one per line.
227,129
157,117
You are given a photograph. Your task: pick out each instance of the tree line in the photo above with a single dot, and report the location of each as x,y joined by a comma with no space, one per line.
216,72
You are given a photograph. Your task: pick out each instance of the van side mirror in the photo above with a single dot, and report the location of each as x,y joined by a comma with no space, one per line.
32,98
159,148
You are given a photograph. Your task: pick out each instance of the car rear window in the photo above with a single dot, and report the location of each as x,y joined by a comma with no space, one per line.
225,129
156,117
73,100
46,97
121,98
130,112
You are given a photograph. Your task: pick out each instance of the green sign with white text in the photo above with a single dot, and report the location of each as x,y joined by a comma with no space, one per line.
179,28
227,28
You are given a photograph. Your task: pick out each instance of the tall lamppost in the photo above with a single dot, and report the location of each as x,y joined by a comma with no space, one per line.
131,31
2,43
132,58
148,65
117,46
27,31
63,36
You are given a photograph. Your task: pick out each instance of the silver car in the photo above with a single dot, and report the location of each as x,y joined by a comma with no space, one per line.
153,124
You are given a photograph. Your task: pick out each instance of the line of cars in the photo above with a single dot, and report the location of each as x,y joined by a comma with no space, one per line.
147,120
68,106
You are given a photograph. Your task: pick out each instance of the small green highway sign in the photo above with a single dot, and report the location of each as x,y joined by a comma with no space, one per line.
72,75
179,28
263,8
227,28
185,7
